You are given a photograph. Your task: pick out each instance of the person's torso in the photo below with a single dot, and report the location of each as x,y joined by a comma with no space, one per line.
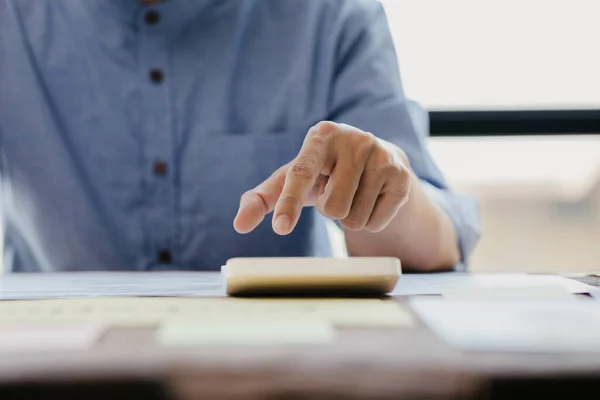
128,133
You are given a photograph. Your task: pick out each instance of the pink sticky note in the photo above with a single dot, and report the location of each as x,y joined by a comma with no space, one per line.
39,337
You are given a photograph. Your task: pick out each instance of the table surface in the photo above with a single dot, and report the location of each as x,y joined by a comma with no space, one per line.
362,363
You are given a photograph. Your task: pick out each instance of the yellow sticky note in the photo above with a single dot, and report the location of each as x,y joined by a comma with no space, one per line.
367,313
340,312
245,331
110,311
154,311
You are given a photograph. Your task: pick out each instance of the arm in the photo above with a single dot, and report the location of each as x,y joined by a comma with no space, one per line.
382,188
436,229
421,235
367,186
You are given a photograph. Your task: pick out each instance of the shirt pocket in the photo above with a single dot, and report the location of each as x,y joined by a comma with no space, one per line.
218,167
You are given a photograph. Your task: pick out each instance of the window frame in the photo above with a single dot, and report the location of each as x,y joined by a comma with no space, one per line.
514,123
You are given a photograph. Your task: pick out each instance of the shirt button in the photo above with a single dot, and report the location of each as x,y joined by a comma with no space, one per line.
152,17
164,257
156,75
160,168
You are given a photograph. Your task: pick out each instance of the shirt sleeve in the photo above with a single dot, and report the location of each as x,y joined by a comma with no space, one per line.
367,93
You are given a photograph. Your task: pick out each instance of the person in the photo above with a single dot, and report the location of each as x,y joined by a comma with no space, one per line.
159,135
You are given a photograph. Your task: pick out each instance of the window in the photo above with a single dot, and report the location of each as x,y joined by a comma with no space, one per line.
540,194
511,54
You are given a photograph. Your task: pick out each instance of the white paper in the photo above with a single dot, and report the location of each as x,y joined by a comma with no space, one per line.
595,293
211,284
438,283
110,284
520,293
539,326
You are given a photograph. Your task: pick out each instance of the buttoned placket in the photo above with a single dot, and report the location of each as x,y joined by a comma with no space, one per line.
158,139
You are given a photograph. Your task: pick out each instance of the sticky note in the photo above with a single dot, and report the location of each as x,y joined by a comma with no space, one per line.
246,331
549,292
40,337
126,312
155,311
340,312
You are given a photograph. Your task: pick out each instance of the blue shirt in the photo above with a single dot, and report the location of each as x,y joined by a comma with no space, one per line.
128,132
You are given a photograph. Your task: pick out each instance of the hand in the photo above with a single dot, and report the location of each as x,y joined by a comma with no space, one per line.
349,175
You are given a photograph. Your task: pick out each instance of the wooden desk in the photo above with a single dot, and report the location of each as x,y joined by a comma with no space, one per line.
363,363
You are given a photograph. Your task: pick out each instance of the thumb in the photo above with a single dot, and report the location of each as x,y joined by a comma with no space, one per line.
258,202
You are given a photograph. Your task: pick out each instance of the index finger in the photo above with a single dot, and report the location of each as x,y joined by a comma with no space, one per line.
302,174
256,203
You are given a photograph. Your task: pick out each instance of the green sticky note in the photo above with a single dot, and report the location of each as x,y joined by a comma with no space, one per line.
245,331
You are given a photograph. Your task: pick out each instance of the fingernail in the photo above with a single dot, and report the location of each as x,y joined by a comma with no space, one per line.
282,224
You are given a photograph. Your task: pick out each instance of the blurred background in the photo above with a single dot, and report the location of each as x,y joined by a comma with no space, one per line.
514,92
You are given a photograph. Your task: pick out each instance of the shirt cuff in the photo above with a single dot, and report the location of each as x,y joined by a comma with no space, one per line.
464,213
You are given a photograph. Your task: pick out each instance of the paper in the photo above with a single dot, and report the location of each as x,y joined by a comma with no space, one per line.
37,338
110,284
595,293
528,326
438,283
211,284
550,292
153,311
247,331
